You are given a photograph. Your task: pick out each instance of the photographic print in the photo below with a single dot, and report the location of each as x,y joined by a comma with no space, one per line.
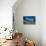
29,19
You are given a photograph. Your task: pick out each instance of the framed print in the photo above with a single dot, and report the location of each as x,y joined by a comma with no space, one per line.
29,19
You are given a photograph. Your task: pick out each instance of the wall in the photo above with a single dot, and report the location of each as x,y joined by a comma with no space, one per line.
28,8
43,22
6,13
6,16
